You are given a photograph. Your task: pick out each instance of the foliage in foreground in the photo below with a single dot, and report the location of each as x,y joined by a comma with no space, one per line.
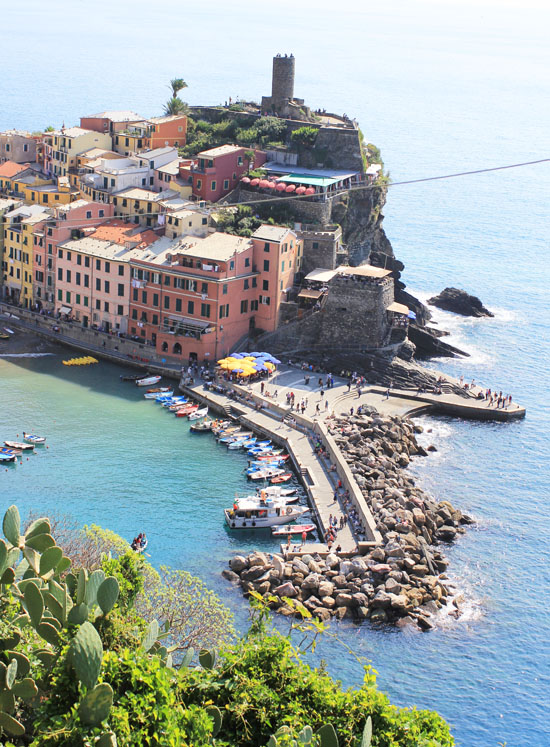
80,667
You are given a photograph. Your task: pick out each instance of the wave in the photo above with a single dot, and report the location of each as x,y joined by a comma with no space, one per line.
24,355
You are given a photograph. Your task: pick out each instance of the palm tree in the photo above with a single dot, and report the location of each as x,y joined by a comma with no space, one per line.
175,106
249,157
177,84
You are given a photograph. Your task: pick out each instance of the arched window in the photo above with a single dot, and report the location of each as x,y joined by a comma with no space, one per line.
164,347
177,349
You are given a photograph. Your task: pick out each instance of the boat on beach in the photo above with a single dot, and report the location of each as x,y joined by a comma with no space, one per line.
33,438
293,529
254,513
18,445
148,381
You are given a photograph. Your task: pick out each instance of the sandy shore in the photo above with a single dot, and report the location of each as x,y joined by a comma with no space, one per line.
23,341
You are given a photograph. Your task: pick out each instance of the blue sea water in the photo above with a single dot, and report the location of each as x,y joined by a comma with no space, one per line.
440,88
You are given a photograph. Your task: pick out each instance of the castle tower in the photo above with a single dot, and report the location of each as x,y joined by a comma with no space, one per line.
282,82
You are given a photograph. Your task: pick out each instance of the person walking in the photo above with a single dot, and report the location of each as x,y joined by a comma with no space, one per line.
304,537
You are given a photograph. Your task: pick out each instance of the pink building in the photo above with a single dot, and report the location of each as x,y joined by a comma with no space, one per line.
67,221
218,170
110,121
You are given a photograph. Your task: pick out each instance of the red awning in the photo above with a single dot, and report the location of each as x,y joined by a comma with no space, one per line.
263,184
254,182
291,188
271,185
301,190
281,187
245,180
310,191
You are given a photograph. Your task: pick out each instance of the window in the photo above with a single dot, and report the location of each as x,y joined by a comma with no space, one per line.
247,261
281,285
59,273
265,285
224,311
226,183
106,306
178,304
265,300
79,259
156,278
204,221
266,265
155,319
107,286
59,251
244,307
59,295
68,296
98,284
190,307
254,282
97,264
266,246
246,284
232,264
77,299
121,270
199,183
240,161
121,289
155,298
88,214
120,309
134,313
86,261
78,278
204,288
213,186
107,267
315,245
98,304
167,280
205,310
283,266
101,213
85,300
166,302
254,306
144,297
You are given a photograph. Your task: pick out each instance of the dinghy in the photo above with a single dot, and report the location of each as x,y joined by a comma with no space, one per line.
34,439
18,445
148,381
198,414
293,529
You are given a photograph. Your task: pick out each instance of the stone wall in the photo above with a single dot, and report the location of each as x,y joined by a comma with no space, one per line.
320,248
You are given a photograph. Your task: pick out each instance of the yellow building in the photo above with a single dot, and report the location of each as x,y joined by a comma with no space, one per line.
19,226
138,205
62,147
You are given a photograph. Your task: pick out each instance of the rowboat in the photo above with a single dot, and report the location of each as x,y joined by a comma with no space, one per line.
264,474
275,462
293,529
34,439
148,381
198,414
220,425
203,427
161,398
250,513
285,477
131,377
159,390
18,445
240,443
141,546
261,448
9,331
6,450
272,454
186,410
8,457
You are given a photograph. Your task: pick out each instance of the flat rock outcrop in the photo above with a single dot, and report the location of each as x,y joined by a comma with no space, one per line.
459,302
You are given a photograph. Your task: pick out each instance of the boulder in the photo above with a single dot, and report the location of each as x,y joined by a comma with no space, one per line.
253,573
286,590
322,613
328,602
381,599
378,615
360,599
362,613
459,302
238,563
258,558
231,576
344,600
346,567
447,533
392,586
331,561
326,588
312,582
299,566
278,565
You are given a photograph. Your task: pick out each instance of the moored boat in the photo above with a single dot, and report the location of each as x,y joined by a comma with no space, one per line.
251,513
33,438
139,543
185,410
148,381
264,473
6,450
203,427
8,457
293,529
20,446
198,414
285,477
132,377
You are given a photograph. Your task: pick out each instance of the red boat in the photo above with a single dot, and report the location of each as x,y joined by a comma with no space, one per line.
186,410
285,477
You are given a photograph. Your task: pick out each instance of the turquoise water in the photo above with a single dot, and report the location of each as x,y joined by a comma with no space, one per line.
440,87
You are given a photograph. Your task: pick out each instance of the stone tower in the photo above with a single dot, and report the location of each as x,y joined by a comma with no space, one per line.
282,82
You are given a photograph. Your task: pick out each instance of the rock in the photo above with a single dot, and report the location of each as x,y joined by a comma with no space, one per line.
286,590
359,567
346,567
378,615
431,447
253,573
278,565
381,599
392,587
378,554
424,623
344,600
380,568
447,533
312,581
263,588
299,566
341,612
360,599
459,302
399,603
322,613
258,558
339,581
362,613
238,563
331,561
231,576
312,603
328,602
326,589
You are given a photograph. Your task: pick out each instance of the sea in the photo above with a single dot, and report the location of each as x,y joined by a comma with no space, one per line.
440,88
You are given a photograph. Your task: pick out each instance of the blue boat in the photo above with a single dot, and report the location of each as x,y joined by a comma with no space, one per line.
8,457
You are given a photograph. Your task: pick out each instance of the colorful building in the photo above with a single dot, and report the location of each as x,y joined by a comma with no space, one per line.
110,121
17,146
170,129
61,148
18,226
9,171
217,171
187,222
139,205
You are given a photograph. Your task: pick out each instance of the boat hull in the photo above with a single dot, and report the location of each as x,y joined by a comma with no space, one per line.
257,522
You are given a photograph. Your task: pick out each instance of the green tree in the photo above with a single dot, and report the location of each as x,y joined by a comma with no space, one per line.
175,106
177,85
249,157
304,136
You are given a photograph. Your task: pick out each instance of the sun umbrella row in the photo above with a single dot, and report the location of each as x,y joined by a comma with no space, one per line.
278,186
247,364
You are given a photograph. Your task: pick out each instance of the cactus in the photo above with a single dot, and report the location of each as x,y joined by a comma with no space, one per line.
95,580
11,725
78,614
34,603
306,735
96,705
11,525
188,657
328,736
50,559
86,654
107,594
150,636
367,733
207,658
216,716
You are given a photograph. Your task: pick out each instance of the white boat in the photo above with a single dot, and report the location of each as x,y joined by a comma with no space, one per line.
293,529
158,395
264,474
276,490
19,446
149,381
33,438
250,513
198,414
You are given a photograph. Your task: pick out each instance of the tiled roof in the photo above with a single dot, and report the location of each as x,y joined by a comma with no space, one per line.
10,168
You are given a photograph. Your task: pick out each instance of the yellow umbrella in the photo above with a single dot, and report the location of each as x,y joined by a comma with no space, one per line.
269,366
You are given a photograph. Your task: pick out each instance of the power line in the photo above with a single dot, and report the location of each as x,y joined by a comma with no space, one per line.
336,193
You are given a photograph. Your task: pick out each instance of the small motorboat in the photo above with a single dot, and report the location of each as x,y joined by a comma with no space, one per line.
19,446
139,543
220,425
264,474
251,513
162,398
6,450
275,462
4,336
198,414
273,454
293,529
8,457
203,427
276,491
159,390
186,410
9,331
34,439
131,377
156,393
241,444
285,477
148,381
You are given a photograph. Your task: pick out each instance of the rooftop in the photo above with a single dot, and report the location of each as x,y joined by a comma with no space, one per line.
221,150
137,193
313,181
170,168
71,206
11,133
151,154
366,271
116,116
271,233
166,118
105,249
217,247
321,276
10,168
5,204
93,153
282,168
118,232
73,132
26,211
